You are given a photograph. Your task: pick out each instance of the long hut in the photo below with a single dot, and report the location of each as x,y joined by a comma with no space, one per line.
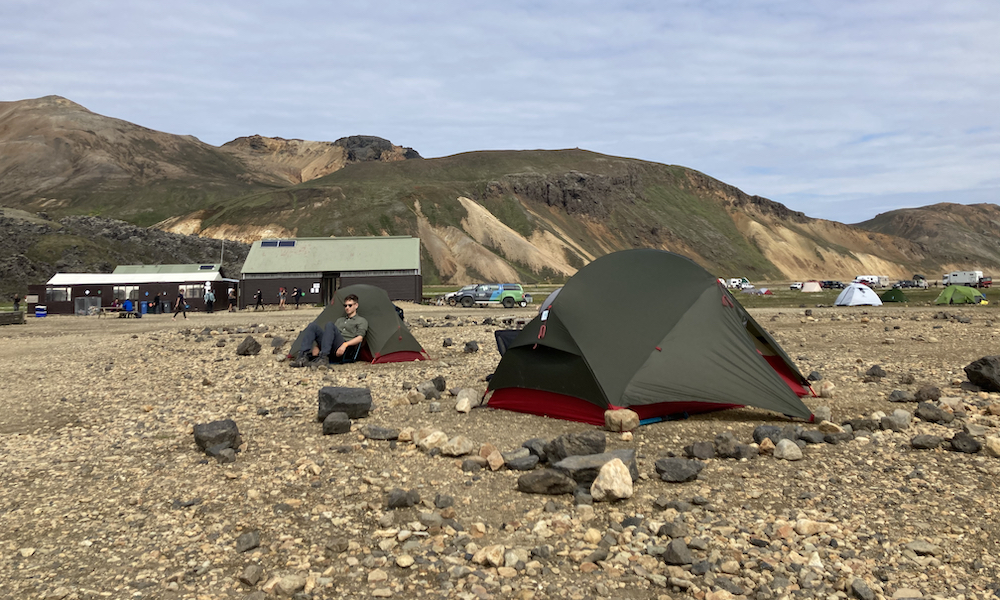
83,293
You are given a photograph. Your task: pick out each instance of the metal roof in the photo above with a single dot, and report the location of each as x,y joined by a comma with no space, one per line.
195,268
66,279
301,255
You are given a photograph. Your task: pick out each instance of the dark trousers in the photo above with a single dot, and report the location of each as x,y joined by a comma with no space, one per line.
328,338
208,305
181,308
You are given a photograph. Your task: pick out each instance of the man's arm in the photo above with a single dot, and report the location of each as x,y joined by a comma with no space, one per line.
354,341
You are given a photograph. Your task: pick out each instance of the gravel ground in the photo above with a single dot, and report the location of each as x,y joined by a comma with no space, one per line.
106,495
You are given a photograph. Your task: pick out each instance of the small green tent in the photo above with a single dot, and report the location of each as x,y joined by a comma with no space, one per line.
894,295
650,331
960,294
388,338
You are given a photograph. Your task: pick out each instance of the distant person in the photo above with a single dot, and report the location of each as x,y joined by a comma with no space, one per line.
115,303
337,342
296,294
258,300
209,301
17,302
232,300
180,305
156,304
282,295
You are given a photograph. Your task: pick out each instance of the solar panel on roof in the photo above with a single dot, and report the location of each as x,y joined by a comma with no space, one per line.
206,267
269,244
286,243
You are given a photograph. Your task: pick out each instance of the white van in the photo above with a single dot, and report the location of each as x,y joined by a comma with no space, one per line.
872,280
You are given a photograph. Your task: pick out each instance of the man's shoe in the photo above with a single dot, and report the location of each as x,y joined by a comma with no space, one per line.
320,360
301,361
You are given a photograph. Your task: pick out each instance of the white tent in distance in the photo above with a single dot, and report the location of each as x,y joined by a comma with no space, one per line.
858,294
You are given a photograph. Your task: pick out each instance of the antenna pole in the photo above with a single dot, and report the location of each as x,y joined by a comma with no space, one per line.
223,255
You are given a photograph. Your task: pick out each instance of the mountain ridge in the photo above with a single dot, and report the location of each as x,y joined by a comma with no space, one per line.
526,214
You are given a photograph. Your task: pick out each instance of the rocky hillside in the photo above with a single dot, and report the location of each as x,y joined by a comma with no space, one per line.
59,157
34,247
505,215
961,234
296,161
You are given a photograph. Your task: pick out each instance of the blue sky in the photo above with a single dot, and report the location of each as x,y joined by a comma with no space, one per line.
840,109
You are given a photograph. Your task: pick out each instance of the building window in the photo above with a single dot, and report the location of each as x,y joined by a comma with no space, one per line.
57,294
125,292
193,291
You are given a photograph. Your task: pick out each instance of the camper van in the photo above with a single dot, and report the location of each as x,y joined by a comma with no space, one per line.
969,278
737,283
872,280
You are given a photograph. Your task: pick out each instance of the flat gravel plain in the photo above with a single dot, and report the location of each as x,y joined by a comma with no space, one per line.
105,495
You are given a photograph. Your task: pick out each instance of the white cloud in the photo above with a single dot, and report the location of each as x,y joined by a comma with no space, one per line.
821,105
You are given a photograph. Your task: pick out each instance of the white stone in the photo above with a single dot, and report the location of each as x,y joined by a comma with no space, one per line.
810,527
614,482
404,561
786,450
436,439
467,398
492,555
992,446
828,427
458,446
621,420
289,584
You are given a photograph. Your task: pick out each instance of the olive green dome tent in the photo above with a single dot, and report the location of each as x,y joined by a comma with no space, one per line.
894,295
650,331
960,294
388,338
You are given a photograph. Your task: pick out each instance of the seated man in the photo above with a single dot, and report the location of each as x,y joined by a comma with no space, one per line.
338,342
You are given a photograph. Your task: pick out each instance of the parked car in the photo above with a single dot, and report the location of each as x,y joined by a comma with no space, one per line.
507,294
452,298
796,286
832,285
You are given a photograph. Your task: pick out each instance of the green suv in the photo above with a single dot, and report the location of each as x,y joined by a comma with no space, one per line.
507,294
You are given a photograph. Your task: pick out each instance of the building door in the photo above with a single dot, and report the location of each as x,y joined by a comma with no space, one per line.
329,286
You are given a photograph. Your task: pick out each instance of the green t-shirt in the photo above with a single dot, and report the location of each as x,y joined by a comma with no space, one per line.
352,327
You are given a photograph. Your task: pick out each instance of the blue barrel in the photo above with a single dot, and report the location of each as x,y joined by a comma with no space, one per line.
144,307
40,311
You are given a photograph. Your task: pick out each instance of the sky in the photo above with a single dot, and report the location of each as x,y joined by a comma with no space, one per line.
840,109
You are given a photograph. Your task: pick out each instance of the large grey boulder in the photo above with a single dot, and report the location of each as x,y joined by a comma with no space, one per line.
545,481
248,347
902,396
356,402
336,423
217,434
574,444
985,373
963,442
677,553
678,470
583,469
933,414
